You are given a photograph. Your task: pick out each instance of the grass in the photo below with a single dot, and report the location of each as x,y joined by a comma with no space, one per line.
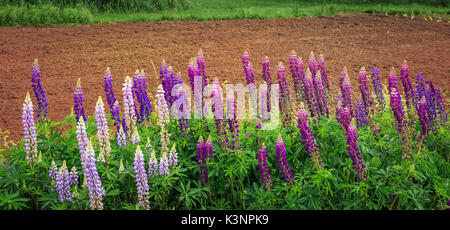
57,13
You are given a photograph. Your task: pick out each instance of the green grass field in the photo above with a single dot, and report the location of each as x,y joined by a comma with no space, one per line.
72,12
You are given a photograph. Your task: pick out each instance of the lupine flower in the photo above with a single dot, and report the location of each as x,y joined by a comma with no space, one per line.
140,92
141,179
173,157
282,162
163,162
233,125
201,67
378,88
209,148
423,118
78,100
73,176
420,89
204,149
364,89
218,112
102,128
153,167
263,169
353,151
407,86
53,171
397,110
192,71
248,69
312,64
121,137
111,98
323,72
393,85
431,105
129,113
93,183
361,114
440,107
376,129
29,130
267,79
63,184
297,73
310,96
82,138
309,141
184,123
163,109
320,96
346,91
135,138
39,92
285,96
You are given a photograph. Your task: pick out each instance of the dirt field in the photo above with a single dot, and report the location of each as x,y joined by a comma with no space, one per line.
68,53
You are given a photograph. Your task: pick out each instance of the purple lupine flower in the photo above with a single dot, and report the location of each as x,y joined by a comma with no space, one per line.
82,138
248,68
218,112
282,162
263,169
309,141
29,130
420,89
353,151
93,183
423,118
310,96
364,89
164,164
323,72
376,129
361,114
192,71
121,137
393,85
141,179
346,91
102,128
397,110
267,79
202,154
284,93
209,148
135,138
184,123
430,96
129,113
407,86
111,98
320,96
78,101
145,106
173,157
233,125
62,185
201,67
73,176
163,108
440,107
53,171
342,113
378,88
39,93
312,64
153,167
297,74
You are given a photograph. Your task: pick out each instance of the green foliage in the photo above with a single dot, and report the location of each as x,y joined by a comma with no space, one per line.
234,180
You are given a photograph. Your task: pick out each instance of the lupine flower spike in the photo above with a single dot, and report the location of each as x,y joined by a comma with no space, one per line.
263,169
63,183
153,167
353,151
78,100
39,93
173,157
309,141
102,129
282,162
29,130
141,179
93,183
129,113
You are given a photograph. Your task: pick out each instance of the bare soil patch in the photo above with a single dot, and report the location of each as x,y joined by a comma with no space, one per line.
68,53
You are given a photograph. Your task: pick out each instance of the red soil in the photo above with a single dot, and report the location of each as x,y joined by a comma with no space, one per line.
71,52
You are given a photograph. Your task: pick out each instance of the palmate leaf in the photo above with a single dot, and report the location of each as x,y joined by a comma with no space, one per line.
12,201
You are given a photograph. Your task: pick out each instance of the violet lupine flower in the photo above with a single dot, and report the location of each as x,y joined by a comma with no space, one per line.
82,138
423,118
29,130
184,123
378,88
121,137
153,167
364,89
209,148
53,171
62,185
407,86
361,114
393,85
204,149
282,162
164,164
102,128
39,93
233,126
145,106
129,113
218,112
73,176
431,105
111,98
192,71
320,96
420,89
201,67
285,95
248,68
141,179
353,151
163,109
297,74
310,96
173,157
440,107
342,113
135,138
267,79
78,100
323,72
93,183
309,141
312,64
263,169
346,91
397,110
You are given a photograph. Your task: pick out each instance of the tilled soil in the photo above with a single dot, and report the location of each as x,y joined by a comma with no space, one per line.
71,52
